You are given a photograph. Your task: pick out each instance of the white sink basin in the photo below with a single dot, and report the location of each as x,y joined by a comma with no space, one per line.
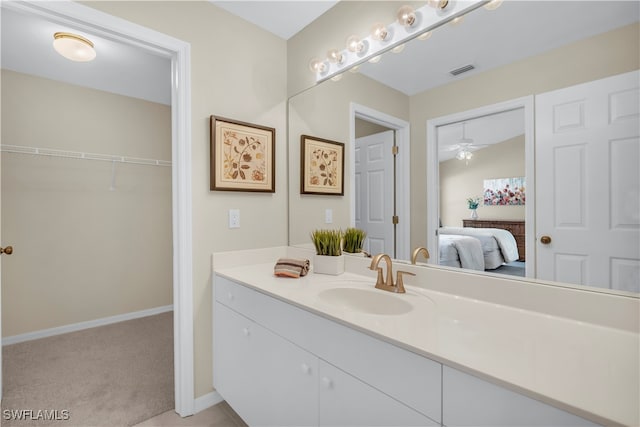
370,301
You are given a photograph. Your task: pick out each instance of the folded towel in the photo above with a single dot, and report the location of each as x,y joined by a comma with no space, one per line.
289,267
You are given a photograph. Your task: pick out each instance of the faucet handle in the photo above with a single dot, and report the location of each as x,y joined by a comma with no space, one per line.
400,282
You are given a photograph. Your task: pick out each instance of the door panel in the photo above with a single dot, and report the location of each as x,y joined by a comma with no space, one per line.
588,183
374,191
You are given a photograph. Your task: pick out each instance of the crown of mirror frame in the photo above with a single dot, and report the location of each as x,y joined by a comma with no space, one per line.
409,24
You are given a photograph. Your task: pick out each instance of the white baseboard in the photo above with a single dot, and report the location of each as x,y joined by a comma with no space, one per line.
84,325
207,401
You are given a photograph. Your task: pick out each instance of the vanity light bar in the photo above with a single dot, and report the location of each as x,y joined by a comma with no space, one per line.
427,18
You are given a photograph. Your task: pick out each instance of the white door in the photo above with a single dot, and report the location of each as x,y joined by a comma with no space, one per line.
374,191
588,183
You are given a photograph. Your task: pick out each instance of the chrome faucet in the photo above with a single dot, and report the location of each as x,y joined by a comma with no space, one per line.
387,284
417,251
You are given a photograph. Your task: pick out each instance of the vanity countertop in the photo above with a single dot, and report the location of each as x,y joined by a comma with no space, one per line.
587,369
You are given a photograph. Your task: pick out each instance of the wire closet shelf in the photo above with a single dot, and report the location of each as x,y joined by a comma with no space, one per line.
49,152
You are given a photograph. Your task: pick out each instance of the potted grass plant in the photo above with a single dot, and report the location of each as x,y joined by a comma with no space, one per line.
328,258
354,240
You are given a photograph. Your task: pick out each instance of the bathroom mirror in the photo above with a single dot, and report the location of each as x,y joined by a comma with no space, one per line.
513,59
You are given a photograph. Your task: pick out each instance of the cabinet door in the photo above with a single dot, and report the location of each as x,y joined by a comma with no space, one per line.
470,401
347,401
266,379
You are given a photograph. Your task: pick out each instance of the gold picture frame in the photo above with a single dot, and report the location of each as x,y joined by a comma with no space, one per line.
242,156
322,166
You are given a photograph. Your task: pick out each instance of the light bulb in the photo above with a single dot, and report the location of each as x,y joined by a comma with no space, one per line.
375,59
438,4
460,155
379,32
425,36
398,48
406,16
457,20
468,155
354,69
336,78
354,44
317,66
335,56
493,4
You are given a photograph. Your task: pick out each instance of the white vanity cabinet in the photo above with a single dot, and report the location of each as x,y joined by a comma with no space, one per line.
276,364
347,401
468,400
265,378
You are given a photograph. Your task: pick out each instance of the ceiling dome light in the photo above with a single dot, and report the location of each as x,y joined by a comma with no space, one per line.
73,47
493,4
406,16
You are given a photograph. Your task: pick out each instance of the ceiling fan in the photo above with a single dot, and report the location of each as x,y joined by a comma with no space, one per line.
464,146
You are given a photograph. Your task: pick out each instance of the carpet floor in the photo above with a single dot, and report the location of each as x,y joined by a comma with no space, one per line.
113,375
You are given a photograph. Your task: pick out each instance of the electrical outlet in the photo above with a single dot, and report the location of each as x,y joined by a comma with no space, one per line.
234,218
328,216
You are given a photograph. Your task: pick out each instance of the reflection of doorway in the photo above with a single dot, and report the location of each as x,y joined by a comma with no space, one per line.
400,128
435,206
375,189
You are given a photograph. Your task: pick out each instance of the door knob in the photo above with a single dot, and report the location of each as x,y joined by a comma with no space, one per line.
545,240
8,250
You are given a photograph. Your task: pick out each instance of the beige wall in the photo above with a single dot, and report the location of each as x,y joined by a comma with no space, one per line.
365,128
460,180
238,71
597,57
82,252
323,111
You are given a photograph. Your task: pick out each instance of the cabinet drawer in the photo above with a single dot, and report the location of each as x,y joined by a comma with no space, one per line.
468,400
403,375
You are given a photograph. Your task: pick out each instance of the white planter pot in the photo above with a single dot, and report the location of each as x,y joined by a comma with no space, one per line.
324,264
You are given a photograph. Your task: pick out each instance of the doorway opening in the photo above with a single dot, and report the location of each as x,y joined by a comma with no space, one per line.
439,214
107,26
392,211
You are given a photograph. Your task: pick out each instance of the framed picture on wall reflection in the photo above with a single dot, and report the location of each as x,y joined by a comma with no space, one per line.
242,156
322,166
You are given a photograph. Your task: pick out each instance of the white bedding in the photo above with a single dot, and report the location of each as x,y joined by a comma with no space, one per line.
461,251
504,239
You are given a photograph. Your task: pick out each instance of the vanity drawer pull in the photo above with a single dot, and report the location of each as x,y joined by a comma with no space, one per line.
230,296
246,332
306,369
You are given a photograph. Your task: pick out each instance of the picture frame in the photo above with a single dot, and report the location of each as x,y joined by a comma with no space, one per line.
321,166
242,156
505,191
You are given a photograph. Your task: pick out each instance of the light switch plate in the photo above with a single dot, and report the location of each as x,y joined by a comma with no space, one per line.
234,218
328,216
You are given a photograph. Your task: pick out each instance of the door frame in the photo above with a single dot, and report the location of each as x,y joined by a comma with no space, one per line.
67,12
433,172
403,169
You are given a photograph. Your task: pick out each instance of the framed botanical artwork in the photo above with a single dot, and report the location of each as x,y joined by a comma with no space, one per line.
242,156
322,166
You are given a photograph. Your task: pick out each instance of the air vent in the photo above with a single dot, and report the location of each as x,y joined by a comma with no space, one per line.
462,69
